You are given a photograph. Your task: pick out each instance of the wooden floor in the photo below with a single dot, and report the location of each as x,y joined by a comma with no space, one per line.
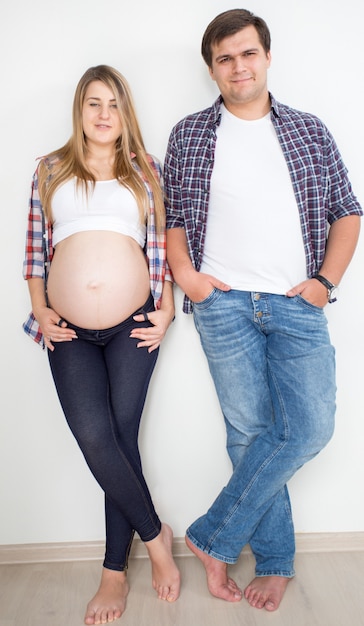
328,591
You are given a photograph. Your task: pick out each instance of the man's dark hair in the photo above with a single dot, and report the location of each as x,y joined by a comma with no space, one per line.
229,23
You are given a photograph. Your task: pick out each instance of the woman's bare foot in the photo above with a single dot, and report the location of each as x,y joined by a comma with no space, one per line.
218,582
110,601
266,592
165,574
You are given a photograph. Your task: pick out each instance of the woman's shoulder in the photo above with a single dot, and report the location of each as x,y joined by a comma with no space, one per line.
151,158
49,161
155,163
48,166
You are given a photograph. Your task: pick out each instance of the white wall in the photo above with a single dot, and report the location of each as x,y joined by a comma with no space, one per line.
47,493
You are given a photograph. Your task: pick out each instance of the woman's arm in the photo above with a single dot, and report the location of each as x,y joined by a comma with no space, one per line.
47,318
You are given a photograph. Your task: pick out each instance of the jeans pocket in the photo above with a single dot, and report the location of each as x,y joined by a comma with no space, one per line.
209,300
303,302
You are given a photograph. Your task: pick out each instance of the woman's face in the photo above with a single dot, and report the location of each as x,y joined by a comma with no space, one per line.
100,116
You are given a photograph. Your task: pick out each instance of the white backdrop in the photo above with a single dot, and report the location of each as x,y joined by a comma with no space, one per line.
47,493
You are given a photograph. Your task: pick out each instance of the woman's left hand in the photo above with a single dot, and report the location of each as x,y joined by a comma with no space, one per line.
152,336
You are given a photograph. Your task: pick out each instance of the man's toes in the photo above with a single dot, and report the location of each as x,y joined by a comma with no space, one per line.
270,605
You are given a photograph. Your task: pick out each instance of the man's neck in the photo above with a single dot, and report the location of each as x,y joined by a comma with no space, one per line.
254,110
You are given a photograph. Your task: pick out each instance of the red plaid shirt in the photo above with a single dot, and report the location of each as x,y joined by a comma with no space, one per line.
39,248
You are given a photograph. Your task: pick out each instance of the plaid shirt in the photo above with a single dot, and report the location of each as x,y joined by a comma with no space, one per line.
39,248
319,178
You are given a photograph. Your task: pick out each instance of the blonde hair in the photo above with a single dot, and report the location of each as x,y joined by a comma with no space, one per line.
70,160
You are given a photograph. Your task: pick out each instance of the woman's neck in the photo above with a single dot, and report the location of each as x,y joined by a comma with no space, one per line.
101,164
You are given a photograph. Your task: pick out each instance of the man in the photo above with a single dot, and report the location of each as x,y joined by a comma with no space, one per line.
252,187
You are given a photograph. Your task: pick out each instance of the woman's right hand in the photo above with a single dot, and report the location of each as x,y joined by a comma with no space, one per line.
53,327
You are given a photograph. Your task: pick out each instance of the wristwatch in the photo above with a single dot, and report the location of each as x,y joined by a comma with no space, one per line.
332,290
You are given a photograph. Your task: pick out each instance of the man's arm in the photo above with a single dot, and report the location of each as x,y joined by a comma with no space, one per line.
196,285
341,243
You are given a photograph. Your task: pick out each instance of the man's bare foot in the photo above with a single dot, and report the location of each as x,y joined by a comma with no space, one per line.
166,578
218,582
110,601
266,592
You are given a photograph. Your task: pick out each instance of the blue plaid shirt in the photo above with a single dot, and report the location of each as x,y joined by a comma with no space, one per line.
319,178
39,248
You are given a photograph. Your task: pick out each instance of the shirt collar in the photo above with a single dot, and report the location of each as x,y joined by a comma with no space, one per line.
216,109
275,106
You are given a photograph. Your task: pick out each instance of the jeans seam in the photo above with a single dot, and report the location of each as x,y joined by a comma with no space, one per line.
243,496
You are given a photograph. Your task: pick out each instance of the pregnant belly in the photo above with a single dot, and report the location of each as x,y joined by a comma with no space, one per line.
98,279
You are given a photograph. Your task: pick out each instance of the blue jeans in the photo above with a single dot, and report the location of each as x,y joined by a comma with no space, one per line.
102,380
274,370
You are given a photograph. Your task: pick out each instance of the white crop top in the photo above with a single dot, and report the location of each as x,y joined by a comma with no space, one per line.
109,206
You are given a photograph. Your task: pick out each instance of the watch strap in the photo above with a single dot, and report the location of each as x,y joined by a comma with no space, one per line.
329,286
324,281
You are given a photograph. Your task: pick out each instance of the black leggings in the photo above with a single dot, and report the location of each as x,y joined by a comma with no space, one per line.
102,380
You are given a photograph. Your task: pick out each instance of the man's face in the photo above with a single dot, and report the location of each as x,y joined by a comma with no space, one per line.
239,67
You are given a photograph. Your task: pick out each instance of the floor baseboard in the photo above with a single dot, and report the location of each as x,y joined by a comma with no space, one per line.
94,550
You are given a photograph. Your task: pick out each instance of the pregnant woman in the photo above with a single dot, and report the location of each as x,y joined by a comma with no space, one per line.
102,302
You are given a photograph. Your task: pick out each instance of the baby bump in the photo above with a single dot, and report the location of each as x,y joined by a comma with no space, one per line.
97,279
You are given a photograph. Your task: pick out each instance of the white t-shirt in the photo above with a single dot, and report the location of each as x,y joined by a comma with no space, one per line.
110,206
254,238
